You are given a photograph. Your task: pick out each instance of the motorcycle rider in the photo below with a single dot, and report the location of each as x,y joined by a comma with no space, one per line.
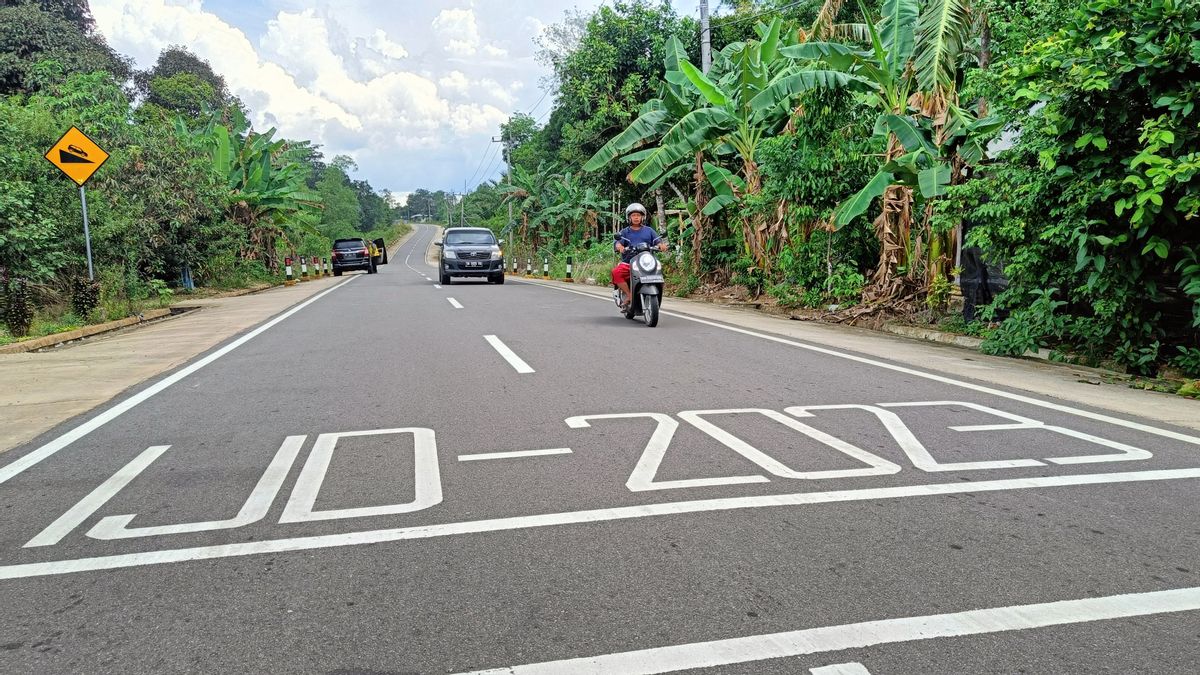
628,239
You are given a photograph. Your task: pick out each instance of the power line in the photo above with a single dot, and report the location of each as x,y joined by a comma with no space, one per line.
539,102
491,169
763,13
486,151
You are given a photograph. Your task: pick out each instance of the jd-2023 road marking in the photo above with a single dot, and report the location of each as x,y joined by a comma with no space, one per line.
428,488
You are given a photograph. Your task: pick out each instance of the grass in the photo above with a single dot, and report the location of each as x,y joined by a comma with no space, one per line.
955,323
45,323
233,275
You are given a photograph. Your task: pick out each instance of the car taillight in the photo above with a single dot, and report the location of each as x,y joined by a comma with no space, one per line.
334,255
364,251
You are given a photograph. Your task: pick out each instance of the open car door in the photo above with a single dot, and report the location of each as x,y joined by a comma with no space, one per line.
383,254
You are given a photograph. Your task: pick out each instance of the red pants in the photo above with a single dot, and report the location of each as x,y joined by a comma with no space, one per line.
620,274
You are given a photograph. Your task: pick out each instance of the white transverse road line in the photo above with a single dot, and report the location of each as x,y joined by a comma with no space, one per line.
97,498
438,286
454,303
1165,433
42,569
7,472
867,634
515,453
508,354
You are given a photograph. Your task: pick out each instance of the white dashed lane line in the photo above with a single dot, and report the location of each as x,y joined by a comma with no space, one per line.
516,453
454,303
513,360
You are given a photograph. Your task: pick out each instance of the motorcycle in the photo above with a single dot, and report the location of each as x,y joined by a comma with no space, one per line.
646,284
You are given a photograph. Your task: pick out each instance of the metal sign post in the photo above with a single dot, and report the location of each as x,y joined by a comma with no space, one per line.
87,233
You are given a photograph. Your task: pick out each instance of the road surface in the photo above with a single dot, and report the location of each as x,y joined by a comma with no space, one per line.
400,477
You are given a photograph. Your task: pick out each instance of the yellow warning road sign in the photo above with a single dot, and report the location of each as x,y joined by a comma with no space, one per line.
77,156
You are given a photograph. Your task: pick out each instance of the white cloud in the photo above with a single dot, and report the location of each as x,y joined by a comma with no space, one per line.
379,42
392,89
458,31
455,82
474,119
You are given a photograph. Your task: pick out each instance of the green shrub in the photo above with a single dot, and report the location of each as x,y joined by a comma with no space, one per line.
786,294
1188,361
1028,328
747,273
846,285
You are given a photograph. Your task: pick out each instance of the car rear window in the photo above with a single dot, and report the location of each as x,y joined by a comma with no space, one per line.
468,238
349,244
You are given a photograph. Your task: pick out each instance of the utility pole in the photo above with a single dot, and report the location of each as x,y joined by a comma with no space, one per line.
705,62
508,177
462,211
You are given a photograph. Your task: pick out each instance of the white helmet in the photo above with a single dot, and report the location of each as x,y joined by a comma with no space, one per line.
635,207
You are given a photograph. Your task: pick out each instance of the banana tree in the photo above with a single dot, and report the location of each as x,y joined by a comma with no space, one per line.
569,203
912,65
748,95
267,190
529,190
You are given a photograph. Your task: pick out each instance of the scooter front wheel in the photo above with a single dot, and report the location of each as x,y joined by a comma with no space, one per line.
650,310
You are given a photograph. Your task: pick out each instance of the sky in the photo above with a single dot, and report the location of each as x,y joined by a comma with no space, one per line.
413,90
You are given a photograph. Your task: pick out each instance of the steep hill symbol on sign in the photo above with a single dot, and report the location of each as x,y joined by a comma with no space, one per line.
71,158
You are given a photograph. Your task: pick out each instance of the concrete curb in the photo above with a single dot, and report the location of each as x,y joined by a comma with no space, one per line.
934,335
86,331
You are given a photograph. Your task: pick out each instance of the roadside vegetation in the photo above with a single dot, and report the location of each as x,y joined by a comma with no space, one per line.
193,197
837,155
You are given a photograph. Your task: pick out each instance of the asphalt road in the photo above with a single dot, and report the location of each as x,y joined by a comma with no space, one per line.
325,497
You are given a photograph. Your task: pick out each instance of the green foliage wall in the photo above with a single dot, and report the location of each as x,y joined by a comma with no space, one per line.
1095,206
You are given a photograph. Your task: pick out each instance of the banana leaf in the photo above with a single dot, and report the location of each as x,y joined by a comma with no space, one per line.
860,202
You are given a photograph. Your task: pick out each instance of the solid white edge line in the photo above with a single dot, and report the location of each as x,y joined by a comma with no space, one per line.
868,634
26,570
509,355
454,303
515,453
47,450
1099,417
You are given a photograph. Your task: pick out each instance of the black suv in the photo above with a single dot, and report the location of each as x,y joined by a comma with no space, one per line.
470,252
352,254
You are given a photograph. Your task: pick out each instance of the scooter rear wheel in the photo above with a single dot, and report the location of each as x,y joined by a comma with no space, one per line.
629,312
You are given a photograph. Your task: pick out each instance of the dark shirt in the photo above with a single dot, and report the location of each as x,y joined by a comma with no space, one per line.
631,238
